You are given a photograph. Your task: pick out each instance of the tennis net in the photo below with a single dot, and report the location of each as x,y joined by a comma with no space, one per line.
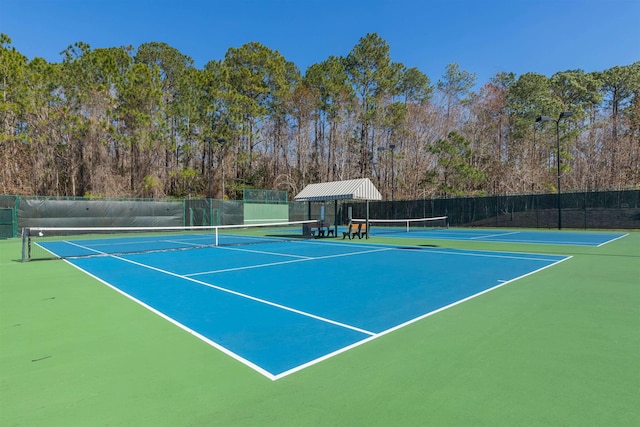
392,226
75,242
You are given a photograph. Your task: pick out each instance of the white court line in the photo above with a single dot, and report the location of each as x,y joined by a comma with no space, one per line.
387,248
212,343
231,248
493,255
141,240
609,241
547,242
248,267
488,236
487,254
240,294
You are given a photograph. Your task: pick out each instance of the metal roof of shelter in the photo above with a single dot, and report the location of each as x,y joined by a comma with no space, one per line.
359,189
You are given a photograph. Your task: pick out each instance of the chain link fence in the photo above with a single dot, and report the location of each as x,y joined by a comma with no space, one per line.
577,210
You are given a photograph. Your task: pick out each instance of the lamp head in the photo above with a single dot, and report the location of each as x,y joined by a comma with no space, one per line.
565,114
540,119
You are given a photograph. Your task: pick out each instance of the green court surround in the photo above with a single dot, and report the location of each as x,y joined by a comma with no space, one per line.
556,348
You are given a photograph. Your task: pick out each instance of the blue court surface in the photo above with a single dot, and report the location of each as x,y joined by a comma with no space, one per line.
545,237
281,307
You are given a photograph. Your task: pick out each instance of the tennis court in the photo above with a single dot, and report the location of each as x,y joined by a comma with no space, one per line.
279,307
378,331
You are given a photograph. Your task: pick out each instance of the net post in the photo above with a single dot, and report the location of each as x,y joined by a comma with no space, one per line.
25,244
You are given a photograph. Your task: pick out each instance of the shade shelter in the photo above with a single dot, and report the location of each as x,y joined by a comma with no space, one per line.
352,189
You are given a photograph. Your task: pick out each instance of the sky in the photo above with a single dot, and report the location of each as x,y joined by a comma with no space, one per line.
484,37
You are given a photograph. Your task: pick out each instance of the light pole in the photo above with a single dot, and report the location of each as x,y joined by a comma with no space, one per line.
207,139
222,141
541,119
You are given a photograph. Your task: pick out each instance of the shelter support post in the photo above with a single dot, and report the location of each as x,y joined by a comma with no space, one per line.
367,220
335,217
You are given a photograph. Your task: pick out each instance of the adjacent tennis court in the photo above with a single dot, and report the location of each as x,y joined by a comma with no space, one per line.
567,238
437,229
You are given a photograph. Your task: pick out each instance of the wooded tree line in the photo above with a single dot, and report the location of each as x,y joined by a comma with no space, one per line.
145,122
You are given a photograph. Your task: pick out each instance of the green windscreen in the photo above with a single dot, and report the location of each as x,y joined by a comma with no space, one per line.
259,213
7,224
